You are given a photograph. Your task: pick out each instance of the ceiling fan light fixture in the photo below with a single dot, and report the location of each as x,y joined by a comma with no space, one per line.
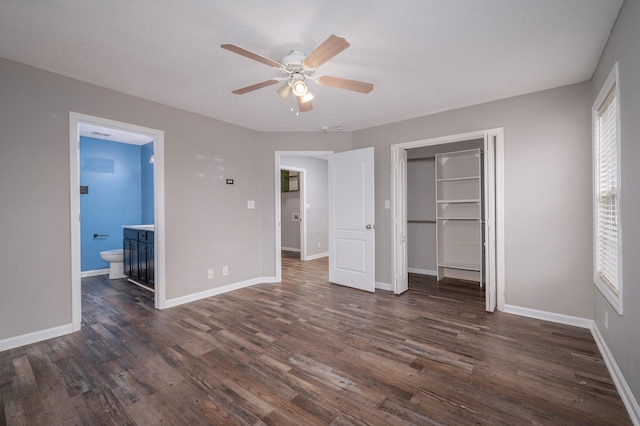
299,87
296,68
285,91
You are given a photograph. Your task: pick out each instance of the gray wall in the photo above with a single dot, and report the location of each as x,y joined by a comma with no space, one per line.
207,222
547,157
317,215
421,205
622,335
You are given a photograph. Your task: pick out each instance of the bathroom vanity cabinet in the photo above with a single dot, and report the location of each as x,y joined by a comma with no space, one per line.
138,247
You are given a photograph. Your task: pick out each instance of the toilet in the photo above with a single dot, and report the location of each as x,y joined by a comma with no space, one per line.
115,258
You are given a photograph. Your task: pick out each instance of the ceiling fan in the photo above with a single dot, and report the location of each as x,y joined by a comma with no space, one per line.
296,70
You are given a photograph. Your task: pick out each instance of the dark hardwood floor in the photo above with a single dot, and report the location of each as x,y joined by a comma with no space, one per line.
308,352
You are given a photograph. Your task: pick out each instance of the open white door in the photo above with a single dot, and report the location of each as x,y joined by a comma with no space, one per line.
351,219
399,194
489,222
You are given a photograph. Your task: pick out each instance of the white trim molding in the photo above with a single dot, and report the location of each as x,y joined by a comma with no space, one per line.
630,402
549,316
35,337
318,256
94,273
293,249
170,303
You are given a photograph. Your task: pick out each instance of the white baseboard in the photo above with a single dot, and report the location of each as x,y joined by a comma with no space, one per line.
94,273
170,303
297,250
36,336
626,395
317,256
422,271
384,286
548,316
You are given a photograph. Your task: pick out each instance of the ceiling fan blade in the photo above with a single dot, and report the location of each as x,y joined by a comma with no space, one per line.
327,50
249,54
255,87
303,107
343,83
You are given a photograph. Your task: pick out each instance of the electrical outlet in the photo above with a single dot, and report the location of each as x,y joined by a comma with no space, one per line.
210,274
606,320
225,270
318,244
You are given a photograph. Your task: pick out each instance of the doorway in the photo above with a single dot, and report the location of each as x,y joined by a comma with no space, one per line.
75,120
313,188
293,223
493,223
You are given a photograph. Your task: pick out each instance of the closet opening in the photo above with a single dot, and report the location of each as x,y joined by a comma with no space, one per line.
444,211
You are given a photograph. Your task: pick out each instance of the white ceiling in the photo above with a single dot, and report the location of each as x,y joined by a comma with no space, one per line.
423,56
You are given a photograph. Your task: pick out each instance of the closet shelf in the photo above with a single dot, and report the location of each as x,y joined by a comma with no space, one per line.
459,212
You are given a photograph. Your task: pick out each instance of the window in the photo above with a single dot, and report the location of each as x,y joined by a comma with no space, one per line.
606,197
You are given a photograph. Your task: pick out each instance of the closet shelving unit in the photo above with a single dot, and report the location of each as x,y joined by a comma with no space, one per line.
459,215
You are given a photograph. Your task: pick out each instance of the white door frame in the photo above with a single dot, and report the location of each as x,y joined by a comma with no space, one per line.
397,263
158,179
276,193
302,187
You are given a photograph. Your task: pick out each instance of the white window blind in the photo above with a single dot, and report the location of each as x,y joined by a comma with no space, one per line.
606,187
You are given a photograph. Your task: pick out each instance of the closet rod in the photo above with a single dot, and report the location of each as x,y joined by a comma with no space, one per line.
421,221
421,158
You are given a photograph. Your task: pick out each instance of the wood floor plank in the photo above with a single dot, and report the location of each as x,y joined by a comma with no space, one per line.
305,351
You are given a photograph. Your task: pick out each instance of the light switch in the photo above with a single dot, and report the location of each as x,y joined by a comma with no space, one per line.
251,204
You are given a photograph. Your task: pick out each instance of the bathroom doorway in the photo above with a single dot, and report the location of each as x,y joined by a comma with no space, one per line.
99,137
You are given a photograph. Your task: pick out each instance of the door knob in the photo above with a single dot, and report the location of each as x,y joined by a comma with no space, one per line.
370,226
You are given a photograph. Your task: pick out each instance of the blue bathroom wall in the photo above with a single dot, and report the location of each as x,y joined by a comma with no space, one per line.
147,183
112,171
